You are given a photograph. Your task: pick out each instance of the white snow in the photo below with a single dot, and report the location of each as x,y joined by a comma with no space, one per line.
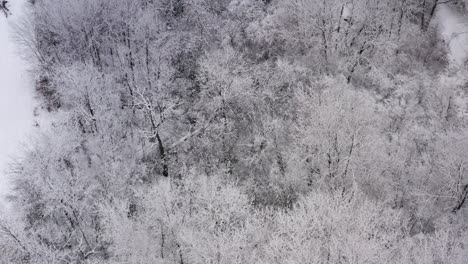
347,11
16,100
453,28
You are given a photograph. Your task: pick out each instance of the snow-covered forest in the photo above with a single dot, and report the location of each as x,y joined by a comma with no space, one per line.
244,131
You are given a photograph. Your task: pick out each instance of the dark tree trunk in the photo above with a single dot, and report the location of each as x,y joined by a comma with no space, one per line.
162,152
461,200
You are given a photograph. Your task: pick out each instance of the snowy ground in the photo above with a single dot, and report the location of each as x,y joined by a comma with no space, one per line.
453,28
16,100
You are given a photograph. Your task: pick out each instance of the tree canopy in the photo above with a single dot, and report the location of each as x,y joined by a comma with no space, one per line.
242,131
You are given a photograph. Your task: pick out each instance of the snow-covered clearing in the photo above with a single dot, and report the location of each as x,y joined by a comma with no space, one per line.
453,28
16,99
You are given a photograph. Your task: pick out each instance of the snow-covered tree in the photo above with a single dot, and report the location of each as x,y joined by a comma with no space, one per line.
241,131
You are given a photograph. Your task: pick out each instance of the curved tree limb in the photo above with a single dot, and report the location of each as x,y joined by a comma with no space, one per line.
4,8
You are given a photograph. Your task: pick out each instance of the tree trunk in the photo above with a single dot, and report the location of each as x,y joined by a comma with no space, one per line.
162,153
400,19
461,200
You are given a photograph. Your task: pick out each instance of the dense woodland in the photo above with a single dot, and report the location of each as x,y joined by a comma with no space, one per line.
242,131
